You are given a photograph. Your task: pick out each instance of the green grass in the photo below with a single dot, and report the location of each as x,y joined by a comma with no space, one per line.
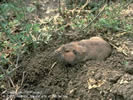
17,31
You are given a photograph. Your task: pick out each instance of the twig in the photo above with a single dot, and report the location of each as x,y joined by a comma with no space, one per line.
53,65
87,1
17,61
4,72
23,77
7,74
128,3
16,92
77,11
60,7
118,49
125,30
17,88
96,16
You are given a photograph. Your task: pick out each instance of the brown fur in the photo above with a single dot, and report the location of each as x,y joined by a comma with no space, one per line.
94,48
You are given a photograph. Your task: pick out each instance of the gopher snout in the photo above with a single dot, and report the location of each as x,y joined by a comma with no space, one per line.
64,56
68,57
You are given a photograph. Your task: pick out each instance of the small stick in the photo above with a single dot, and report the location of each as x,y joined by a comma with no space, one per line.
53,65
17,61
4,72
96,16
23,77
118,49
85,4
60,7
7,74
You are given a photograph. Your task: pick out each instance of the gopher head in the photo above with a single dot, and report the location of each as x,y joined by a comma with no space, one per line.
69,53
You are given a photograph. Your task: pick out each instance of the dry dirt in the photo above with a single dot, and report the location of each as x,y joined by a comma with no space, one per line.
111,79
91,80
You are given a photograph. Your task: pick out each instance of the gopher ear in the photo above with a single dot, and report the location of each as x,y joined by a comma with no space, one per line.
58,49
63,48
66,49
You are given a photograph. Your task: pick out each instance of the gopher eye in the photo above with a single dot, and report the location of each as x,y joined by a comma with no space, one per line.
65,49
75,52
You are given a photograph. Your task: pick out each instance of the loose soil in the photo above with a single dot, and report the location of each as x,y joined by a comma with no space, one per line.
91,80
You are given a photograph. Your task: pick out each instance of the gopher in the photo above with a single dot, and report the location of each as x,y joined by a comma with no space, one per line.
94,48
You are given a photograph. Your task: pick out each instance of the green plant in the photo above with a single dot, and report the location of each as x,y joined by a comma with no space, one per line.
112,19
16,31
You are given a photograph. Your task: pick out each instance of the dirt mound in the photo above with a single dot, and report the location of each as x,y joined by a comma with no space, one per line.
92,79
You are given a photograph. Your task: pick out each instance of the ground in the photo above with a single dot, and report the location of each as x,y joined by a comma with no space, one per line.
95,80
111,79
